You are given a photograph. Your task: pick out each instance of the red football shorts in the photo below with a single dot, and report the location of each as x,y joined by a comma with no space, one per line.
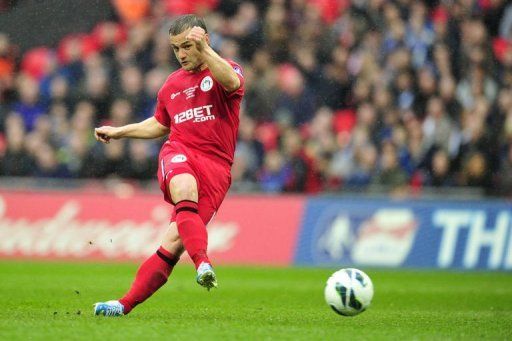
213,177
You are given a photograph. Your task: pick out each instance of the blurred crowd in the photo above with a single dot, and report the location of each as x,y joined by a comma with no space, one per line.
340,94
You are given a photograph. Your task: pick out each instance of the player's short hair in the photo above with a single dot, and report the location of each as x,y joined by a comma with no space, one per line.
185,22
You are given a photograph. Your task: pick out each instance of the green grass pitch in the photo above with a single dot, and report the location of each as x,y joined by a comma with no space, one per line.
51,301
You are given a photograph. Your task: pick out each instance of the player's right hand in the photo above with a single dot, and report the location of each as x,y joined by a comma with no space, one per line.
197,34
105,133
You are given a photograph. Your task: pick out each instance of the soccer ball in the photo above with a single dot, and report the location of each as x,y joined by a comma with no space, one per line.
349,291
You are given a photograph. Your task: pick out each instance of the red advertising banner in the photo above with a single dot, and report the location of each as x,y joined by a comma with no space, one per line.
265,229
74,225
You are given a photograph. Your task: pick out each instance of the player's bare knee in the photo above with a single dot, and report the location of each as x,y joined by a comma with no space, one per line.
184,193
183,187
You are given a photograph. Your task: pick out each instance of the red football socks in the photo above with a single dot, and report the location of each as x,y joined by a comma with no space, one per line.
152,274
192,231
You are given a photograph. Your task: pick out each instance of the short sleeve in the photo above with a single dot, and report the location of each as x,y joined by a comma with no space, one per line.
161,113
240,74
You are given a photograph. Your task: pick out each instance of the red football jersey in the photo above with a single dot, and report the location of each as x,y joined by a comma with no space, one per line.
200,113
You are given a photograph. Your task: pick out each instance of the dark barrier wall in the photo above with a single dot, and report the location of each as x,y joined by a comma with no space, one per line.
43,22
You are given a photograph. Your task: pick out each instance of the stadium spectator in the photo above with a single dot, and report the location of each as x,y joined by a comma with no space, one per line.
300,166
330,86
364,167
505,174
389,175
132,11
475,172
73,155
16,161
438,129
46,163
7,64
107,161
262,89
139,165
248,145
274,174
29,105
296,102
97,91
440,174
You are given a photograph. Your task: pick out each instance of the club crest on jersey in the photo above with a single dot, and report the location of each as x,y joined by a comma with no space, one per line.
206,83
179,158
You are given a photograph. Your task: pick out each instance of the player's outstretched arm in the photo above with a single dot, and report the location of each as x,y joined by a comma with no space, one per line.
147,129
221,70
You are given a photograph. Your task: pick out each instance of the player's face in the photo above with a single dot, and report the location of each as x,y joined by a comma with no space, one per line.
186,51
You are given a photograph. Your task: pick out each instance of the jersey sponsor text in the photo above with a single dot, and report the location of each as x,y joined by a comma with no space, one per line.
197,114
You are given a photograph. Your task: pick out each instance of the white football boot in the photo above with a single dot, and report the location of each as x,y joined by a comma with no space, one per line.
109,308
205,276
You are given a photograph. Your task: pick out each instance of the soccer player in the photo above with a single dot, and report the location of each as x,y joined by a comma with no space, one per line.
198,106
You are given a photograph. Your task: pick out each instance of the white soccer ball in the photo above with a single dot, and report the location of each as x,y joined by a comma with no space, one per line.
349,291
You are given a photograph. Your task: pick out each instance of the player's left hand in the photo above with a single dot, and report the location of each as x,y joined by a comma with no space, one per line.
198,36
